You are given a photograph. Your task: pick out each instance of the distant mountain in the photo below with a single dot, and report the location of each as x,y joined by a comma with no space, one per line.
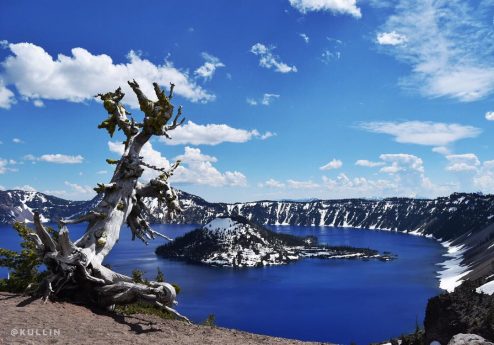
445,218
237,242
465,220
19,205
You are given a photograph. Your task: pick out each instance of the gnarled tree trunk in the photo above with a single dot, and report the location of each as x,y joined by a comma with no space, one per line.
76,268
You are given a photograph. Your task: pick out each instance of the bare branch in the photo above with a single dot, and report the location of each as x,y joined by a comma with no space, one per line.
89,217
43,235
170,95
117,113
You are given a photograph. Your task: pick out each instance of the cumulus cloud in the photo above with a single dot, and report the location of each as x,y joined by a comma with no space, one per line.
79,76
484,179
401,162
467,162
272,183
342,185
196,167
17,141
3,166
367,163
390,38
7,97
489,115
443,150
448,46
333,164
26,187
304,37
423,132
328,55
211,134
270,61
266,99
85,190
334,6
211,63
295,184
56,158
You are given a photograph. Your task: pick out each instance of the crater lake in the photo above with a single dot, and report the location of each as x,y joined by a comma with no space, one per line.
339,301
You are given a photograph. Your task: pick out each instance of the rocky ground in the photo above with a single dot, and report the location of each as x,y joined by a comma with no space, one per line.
24,321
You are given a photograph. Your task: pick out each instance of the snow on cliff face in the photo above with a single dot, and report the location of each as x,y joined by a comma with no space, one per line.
19,206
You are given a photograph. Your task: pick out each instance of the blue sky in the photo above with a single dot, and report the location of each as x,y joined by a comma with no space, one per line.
285,98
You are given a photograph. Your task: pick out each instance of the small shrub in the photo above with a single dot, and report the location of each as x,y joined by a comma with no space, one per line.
210,321
160,277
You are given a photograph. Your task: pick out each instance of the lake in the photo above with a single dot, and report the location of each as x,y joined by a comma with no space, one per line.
340,301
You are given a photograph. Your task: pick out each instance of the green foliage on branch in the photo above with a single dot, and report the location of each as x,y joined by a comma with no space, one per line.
23,266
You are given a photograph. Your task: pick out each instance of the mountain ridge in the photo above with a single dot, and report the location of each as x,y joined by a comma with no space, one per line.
462,222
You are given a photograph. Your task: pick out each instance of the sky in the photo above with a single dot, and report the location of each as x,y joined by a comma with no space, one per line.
283,99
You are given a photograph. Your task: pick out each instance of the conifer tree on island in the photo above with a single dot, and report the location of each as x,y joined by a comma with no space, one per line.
75,269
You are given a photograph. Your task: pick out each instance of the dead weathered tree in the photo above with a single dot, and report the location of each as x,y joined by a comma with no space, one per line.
76,268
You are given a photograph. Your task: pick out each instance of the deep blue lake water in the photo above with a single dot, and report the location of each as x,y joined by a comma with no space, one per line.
322,300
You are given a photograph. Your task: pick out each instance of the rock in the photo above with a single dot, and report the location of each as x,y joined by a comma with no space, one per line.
468,339
463,311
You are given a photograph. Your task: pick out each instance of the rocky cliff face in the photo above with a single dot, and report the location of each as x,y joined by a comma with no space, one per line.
445,218
18,205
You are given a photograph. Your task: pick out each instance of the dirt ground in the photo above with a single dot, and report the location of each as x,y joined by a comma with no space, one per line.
24,321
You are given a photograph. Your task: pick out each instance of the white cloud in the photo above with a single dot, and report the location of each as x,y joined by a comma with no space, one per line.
79,76
467,162
304,37
80,189
443,150
267,135
251,101
211,134
333,164
7,97
449,47
484,179
211,63
266,99
327,56
38,103
26,188
423,133
17,141
334,6
367,163
401,162
489,115
150,156
390,38
272,183
302,184
196,167
342,185
57,158
102,172
268,60
3,166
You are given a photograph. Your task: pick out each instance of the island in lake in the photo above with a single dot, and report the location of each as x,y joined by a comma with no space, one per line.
237,242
